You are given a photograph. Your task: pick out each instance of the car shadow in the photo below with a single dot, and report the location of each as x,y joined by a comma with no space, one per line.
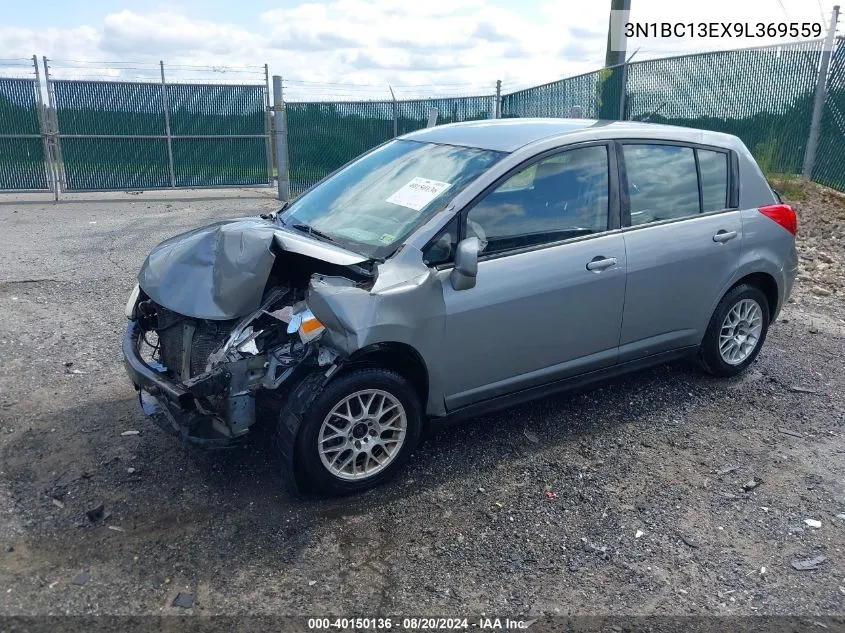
152,485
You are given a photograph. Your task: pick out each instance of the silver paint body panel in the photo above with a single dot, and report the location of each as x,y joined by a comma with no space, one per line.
533,316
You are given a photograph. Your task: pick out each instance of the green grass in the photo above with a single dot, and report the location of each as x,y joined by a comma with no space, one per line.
789,186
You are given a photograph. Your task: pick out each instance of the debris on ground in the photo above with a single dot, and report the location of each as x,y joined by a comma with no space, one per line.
797,389
130,470
531,437
813,523
791,432
189,516
726,470
127,433
639,534
57,503
550,495
689,541
81,578
183,600
116,528
808,564
96,513
751,485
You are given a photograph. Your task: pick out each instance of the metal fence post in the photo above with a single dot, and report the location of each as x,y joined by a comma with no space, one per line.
395,113
819,99
281,131
52,122
497,107
42,127
267,125
166,104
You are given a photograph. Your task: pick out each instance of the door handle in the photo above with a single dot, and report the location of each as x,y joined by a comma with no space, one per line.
724,236
600,263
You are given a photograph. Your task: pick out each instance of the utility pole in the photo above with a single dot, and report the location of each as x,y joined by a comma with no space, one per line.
497,109
819,99
611,90
611,57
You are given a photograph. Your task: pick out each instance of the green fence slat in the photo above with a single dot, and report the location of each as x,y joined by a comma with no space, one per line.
18,106
22,164
110,164
598,94
325,136
109,107
763,96
220,162
830,158
216,110
22,161
137,109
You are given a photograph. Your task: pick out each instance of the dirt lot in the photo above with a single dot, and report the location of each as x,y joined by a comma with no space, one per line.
650,515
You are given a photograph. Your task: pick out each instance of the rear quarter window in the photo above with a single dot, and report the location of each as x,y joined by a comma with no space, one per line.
714,179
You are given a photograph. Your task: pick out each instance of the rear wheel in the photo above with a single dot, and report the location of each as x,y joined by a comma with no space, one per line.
358,432
736,331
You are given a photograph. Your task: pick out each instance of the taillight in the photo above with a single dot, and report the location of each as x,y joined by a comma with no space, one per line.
783,214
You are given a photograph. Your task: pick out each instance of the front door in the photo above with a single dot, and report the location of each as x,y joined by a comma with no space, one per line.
550,288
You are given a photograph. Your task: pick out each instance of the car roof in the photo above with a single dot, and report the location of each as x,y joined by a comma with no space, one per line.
508,135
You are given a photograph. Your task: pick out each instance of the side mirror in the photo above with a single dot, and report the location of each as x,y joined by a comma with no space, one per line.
466,264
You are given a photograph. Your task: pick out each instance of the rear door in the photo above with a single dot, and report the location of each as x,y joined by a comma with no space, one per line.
683,240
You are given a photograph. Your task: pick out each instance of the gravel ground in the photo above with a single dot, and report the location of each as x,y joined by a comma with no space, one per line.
649,514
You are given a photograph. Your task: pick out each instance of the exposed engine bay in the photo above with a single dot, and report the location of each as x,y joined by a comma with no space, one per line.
224,364
230,320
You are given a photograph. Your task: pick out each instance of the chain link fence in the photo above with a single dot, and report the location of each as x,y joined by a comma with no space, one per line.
830,160
23,163
107,134
594,95
324,136
762,95
141,135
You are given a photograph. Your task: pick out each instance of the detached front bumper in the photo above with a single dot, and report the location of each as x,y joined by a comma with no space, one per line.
173,406
145,377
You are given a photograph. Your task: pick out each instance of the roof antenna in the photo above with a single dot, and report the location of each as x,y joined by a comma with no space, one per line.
653,112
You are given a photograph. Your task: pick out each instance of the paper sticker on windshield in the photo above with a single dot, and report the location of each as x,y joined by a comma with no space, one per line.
418,193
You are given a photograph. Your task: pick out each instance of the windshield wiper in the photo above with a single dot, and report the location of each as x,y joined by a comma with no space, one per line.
306,228
273,215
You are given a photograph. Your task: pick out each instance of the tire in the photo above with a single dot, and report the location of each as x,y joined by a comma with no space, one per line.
751,302
364,439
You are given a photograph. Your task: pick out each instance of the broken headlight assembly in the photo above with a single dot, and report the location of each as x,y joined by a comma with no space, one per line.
132,302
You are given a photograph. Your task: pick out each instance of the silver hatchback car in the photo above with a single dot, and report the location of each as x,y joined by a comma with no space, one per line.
455,270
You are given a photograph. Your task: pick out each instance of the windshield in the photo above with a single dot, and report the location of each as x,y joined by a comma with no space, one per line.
377,201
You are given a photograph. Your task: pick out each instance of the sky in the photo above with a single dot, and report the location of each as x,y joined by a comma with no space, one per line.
342,49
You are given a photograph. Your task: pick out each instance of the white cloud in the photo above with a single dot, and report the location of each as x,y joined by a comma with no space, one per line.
433,47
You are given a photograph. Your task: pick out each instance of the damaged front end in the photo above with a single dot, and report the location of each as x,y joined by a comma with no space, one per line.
205,379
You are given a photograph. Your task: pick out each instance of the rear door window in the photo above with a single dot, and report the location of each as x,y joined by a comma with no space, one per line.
662,182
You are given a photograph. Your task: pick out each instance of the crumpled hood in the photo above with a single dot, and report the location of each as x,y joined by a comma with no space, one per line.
220,271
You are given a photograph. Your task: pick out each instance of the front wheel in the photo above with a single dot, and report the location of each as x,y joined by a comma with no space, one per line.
736,331
358,432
